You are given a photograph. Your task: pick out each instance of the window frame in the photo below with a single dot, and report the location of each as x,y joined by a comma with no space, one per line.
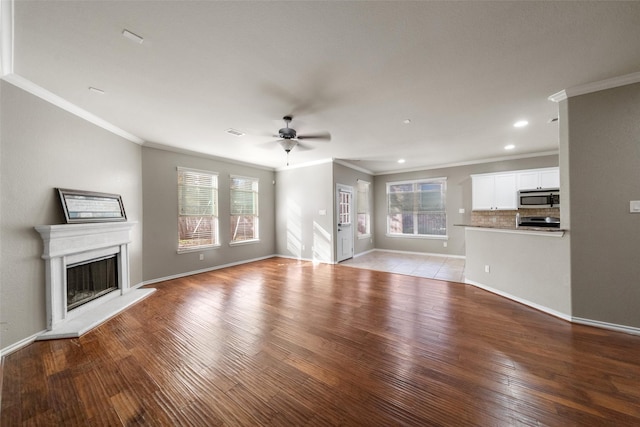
363,208
256,223
214,215
415,182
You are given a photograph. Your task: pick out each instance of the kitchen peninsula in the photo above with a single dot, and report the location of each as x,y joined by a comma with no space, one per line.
528,265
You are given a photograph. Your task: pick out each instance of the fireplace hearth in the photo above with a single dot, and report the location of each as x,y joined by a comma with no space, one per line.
87,276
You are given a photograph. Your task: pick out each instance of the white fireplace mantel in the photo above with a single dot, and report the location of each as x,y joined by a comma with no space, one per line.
67,244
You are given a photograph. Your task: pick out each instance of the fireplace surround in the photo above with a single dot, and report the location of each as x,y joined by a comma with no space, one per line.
69,245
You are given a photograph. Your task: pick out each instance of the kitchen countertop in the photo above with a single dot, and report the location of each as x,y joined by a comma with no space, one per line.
556,232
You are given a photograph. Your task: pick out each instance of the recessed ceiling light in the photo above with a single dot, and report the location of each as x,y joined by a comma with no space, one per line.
509,147
406,121
96,90
131,36
520,124
234,132
401,161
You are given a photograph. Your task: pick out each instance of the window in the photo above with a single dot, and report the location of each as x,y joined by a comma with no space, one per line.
244,209
344,207
197,209
363,209
417,208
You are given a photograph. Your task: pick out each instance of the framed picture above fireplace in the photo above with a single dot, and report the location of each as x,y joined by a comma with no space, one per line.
91,206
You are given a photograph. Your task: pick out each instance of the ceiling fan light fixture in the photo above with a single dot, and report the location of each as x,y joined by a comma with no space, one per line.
287,144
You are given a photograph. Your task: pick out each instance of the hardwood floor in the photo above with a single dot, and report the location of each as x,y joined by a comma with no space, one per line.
290,343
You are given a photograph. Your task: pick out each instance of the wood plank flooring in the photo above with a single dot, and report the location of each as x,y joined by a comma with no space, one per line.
283,342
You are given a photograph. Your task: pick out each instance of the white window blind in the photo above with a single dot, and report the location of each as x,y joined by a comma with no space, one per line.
197,209
244,209
417,207
363,209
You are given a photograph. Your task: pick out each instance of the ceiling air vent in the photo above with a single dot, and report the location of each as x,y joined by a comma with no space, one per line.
132,36
234,132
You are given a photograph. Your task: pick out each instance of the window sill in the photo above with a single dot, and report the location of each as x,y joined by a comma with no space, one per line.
197,249
414,236
244,242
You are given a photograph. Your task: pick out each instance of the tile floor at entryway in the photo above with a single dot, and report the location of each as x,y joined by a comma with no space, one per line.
430,266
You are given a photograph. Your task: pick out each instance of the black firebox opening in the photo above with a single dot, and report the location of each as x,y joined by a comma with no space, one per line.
89,280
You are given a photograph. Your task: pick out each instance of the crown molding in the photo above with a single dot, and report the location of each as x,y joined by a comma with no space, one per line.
304,165
6,37
346,164
42,93
595,87
172,149
471,162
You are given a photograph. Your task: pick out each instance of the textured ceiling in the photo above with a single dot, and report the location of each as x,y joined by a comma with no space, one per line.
462,72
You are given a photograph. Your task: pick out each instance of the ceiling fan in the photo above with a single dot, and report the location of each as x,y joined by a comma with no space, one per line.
290,138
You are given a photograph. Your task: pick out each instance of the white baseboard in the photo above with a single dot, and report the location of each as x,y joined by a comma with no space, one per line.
204,270
605,325
22,343
579,320
528,303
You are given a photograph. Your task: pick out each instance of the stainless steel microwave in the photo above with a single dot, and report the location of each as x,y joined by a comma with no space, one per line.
540,198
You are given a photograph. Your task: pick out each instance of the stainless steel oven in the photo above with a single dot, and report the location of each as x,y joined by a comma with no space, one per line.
541,198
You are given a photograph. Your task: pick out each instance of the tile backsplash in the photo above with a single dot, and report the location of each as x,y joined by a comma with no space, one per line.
507,218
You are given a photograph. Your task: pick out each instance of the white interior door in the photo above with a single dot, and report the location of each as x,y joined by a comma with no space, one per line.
344,206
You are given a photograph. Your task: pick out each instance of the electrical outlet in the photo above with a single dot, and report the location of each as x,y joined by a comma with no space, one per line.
444,244
487,268
201,257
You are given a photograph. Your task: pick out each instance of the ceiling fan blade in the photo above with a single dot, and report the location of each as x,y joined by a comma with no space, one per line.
319,135
267,145
303,147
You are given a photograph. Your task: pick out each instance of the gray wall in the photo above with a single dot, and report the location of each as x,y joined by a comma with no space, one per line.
44,147
349,176
458,196
160,202
604,175
301,194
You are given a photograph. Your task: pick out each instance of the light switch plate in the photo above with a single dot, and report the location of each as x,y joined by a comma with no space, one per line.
634,206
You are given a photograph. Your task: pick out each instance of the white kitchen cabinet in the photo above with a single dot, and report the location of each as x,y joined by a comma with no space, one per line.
550,178
494,191
538,178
